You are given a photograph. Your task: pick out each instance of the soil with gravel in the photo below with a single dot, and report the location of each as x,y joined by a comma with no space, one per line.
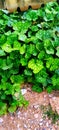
32,117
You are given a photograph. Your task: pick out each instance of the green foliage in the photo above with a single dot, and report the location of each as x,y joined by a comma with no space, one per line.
29,52
37,88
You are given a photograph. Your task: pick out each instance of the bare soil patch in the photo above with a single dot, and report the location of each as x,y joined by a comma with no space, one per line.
32,117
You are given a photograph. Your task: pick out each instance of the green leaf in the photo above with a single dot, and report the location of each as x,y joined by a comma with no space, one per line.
22,49
34,28
3,86
41,55
50,51
37,88
17,79
28,72
49,17
21,26
40,13
36,66
9,89
57,53
8,33
39,46
12,108
31,49
3,108
39,34
16,45
48,46
7,47
49,89
22,37
2,53
3,97
23,61
23,101
31,15
41,79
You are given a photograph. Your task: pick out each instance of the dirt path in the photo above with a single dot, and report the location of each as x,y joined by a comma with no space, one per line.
32,117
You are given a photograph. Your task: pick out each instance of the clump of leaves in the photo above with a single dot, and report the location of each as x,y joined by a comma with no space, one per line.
53,115
29,52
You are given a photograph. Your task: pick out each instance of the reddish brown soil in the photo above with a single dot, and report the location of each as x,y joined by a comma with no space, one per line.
32,117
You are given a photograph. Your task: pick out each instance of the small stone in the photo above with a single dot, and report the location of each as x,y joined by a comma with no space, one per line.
41,120
47,124
41,123
18,126
54,98
50,95
36,106
25,114
20,129
18,112
49,121
23,91
25,126
36,115
14,122
29,126
36,129
1,120
11,118
45,96
43,128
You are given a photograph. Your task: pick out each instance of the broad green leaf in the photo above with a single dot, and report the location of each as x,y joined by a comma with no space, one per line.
7,64
31,63
39,46
49,17
36,66
28,72
41,55
22,49
23,61
57,29
7,47
8,33
3,108
3,97
21,26
31,15
17,79
16,45
40,13
3,86
12,108
22,37
39,34
37,88
48,46
2,40
49,89
50,51
31,49
6,67
34,28
57,53
2,53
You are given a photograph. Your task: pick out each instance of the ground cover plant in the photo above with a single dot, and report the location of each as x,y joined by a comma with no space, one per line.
29,52
52,115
